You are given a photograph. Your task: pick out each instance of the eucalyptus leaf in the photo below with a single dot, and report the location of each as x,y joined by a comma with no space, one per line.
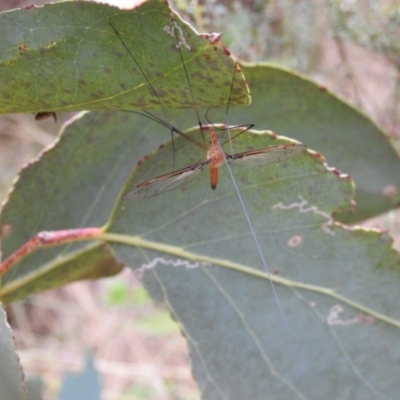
73,184
328,330
67,56
11,376
295,106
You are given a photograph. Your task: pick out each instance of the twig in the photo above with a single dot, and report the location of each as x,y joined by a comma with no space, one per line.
48,239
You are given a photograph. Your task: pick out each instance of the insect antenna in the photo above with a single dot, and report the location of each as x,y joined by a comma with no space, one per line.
176,29
152,88
153,117
231,89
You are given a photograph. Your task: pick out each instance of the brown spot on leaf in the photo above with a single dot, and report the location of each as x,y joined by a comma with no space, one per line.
226,51
98,95
162,93
273,135
212,37
295,241
319,156
80,6
5,230
117,54
390,191
22,48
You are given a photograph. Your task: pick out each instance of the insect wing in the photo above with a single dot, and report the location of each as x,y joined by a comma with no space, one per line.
165,183
267,155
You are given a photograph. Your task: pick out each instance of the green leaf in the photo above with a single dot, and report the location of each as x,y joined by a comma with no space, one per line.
292,105
73,184
35,387
66,56
11,375
226,306
83,65
337,286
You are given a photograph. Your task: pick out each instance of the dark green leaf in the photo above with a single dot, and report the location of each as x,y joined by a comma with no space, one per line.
66,56
11,376
227,310
34,386
337,287
74,184
294,106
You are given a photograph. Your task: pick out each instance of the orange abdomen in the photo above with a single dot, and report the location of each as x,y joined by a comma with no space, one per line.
213,176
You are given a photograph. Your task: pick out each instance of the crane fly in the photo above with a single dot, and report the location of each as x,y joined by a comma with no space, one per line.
215,155
214,159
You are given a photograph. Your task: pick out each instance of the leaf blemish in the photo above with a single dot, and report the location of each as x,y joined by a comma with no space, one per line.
336,310
295,241
5,230
212,37
273,135
139,273
390,191
117,54
313,209
22,48
226,51
180,38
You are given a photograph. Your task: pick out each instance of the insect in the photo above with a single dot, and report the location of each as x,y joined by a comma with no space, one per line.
44,115
215,157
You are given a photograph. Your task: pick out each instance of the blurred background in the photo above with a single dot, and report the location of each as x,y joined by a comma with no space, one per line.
350,46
